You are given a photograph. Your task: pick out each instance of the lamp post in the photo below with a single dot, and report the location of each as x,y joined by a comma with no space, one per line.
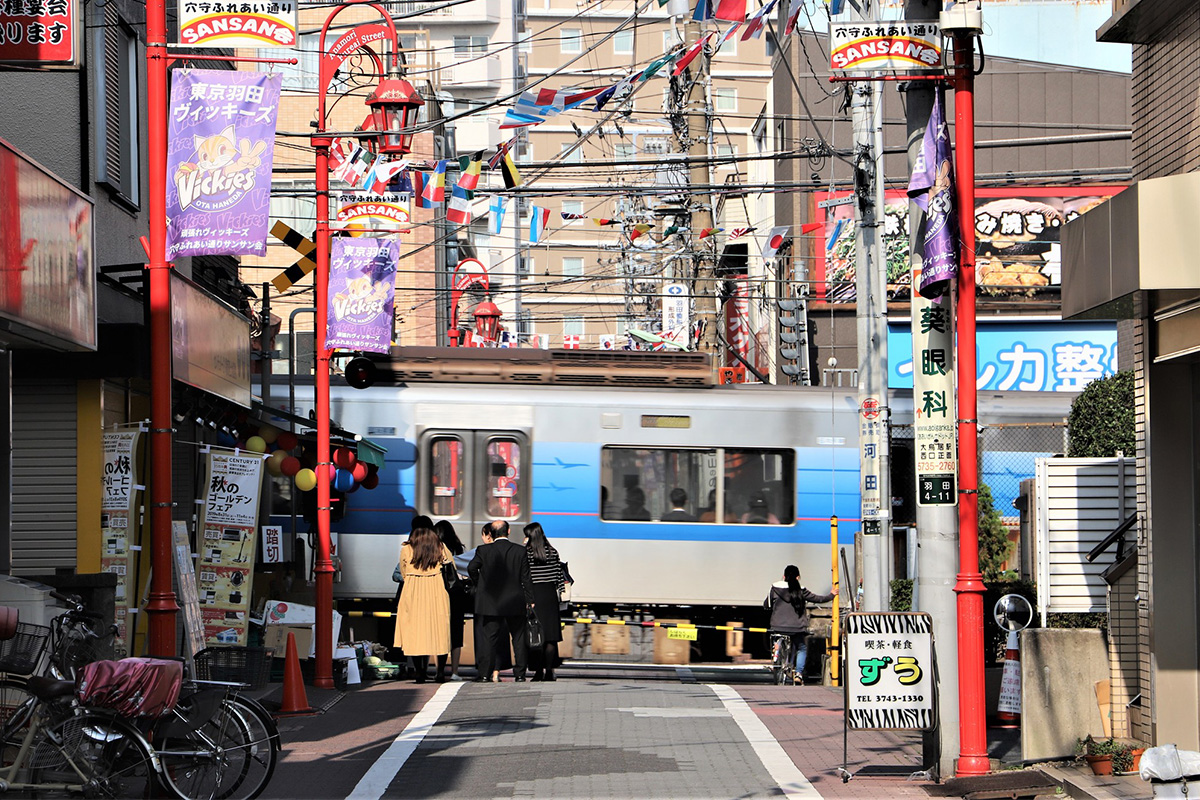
487,320
394,105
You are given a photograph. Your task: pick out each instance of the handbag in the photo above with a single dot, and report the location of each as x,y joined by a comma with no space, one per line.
449,576
564,593
397,575
533,629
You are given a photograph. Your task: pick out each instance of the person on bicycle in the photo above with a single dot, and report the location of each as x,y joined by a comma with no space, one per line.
788,602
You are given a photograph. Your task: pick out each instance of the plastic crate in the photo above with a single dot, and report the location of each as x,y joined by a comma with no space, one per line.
22,654
248,665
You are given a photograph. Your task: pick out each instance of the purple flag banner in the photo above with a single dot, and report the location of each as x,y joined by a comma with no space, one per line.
362,293
220,146
932,187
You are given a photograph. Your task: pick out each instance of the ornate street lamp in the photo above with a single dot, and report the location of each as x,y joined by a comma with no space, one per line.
394,107
487,320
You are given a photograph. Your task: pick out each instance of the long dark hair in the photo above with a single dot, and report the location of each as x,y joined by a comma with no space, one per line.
427,549
791,574
536,543
445,532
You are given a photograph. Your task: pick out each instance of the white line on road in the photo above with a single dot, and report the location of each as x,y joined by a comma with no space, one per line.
387,766
769,752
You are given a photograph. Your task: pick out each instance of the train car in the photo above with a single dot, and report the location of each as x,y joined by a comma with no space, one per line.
656,497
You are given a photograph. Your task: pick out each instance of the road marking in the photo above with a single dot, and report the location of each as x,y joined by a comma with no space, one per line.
387,766
769,752
673,713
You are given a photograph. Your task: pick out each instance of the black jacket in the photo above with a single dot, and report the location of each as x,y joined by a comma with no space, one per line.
500,572
784,618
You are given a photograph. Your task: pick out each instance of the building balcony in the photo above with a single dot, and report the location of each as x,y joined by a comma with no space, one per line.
476,73
474,12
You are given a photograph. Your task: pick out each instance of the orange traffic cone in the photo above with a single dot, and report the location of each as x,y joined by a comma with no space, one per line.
295,699
1008,714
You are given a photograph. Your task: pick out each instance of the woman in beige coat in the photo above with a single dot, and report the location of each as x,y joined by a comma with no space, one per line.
423,613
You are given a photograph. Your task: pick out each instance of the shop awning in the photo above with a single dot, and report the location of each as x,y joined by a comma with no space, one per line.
366,450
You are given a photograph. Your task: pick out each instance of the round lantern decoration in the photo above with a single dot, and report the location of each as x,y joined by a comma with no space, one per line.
359,472
371,481
287,440
344,458
269,433
343,481
306,480
256,444
290,466
275,463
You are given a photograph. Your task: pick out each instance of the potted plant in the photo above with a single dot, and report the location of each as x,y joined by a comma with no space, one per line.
1127,759
1098,753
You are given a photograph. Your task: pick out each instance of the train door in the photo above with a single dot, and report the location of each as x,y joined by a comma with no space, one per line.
472,477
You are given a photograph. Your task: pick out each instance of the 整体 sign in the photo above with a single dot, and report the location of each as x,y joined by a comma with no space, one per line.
43,33
889,671
230,24
875,46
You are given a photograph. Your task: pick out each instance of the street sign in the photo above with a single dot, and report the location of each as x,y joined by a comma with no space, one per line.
937,490
889,672
836,201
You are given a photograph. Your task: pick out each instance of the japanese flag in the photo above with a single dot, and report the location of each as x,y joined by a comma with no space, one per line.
775,240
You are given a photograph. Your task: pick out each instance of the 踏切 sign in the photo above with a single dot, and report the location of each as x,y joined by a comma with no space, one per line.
889,671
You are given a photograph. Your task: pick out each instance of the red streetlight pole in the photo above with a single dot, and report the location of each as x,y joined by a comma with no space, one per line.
392,103
973,757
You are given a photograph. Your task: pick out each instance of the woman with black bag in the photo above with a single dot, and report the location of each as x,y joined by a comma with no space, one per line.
460,604
789,603
423,613
545,570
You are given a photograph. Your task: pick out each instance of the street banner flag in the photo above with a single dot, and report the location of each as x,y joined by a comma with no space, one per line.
775,240
571,341
494,161
602,221
538,217
731,10
219,159
471,166
514,120
758,21
380,177
671,231
418,180
729,32
707,232
435,188
571,218
614,90
362,294
638,230
652,69
690,55
574,99
704,11
932,187
459,210
738,233
496,211
793,17
354,167
508,169
339,149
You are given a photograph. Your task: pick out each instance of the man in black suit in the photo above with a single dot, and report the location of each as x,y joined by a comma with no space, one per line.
503,590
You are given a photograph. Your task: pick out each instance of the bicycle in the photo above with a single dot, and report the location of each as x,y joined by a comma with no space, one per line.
783,658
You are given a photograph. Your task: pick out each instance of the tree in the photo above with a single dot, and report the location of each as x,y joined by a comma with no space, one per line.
1101,421
994,544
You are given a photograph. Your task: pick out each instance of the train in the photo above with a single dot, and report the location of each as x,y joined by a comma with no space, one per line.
664,497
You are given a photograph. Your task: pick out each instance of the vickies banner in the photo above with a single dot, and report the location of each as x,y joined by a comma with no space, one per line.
220,147
362,293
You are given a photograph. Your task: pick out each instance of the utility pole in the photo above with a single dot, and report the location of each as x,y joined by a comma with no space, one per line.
937,525
871,317
697,115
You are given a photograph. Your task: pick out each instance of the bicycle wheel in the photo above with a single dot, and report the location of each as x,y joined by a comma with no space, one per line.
16,711
229,756
780,651
93,755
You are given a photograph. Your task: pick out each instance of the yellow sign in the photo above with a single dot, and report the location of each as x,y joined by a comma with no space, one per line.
688,634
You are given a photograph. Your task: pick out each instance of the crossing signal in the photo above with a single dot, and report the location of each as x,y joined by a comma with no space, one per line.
360,372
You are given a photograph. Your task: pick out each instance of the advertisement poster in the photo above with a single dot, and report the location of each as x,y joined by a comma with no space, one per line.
220,148
362,294
228,537
185,586
889,671
737,320
217,24
1017,247
42,33
119,523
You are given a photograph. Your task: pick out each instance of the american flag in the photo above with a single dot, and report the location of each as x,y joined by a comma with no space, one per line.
571,341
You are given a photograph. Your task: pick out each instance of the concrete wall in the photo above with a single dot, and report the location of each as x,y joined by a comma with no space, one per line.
1059,671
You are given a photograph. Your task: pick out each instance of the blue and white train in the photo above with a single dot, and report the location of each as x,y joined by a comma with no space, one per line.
755,472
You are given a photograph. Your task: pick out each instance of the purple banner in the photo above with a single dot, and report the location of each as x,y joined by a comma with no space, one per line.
220,145
362,292
932,187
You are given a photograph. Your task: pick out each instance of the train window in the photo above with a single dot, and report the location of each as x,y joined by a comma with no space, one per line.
447,467
682,485
503,485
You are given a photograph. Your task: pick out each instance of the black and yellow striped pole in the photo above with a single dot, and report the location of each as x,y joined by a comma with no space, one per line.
835,646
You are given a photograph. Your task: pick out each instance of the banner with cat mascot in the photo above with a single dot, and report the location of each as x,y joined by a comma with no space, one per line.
220,147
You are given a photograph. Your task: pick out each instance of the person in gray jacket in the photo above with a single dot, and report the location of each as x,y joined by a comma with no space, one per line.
788,602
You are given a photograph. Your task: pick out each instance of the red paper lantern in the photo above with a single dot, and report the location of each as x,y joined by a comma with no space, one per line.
359,471
371,481
290,466
287,440
344,458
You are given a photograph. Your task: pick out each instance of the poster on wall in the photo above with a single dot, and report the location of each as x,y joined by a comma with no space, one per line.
120,500
228,535
220,149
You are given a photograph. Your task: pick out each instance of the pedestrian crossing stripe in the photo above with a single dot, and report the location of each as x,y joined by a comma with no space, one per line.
302,245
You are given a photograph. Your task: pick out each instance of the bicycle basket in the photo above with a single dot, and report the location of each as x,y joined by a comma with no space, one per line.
248,665
21,654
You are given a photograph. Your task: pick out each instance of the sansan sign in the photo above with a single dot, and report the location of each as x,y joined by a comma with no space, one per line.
237,24
870,46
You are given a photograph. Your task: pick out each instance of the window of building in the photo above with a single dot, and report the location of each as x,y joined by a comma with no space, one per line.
752,487
295,203
769,44
572,326
729,48
724,98
725,151
524,264
670,40
118,159
572,206
570,40
572,266
569,156
525,42
303,75
465,46
624,150
623,42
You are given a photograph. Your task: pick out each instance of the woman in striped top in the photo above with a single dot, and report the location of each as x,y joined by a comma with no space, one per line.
546,572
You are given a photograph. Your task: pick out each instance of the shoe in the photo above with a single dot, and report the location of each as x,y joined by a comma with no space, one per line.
537,676
550,676
519,680
456,678
439,679
480,680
